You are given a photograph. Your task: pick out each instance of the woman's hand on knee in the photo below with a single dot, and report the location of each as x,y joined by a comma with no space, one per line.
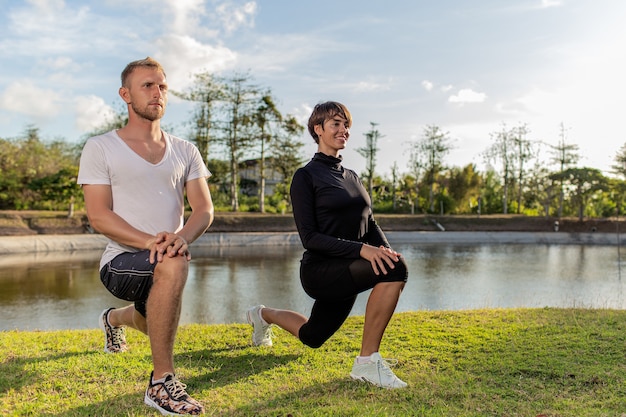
380,257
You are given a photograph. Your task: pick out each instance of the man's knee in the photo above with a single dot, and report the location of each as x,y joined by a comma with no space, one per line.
176,267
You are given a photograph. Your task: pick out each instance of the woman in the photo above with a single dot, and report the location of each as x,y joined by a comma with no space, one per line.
346,254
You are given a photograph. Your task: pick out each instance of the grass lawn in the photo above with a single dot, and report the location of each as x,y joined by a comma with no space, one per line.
495,362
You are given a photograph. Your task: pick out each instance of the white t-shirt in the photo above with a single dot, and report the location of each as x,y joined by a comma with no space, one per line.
150,197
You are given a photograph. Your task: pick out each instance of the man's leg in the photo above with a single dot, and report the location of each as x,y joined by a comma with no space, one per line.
163,311
128,316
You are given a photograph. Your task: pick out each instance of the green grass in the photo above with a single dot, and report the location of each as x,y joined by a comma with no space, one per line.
502,362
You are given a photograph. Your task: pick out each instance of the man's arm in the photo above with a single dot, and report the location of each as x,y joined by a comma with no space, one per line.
99,204
202,211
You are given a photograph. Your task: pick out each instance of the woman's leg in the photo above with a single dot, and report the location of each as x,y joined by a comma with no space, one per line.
382,302
380,307
286,319
326,318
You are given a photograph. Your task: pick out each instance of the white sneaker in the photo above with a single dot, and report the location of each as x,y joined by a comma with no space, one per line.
262,334
377,372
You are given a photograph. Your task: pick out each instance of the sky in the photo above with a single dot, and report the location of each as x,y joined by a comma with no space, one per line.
468,67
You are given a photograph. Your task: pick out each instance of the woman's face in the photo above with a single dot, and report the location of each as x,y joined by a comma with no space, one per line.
333,135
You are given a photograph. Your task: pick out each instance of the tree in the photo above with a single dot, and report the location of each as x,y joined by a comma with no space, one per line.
32,169
265,117
239,99
409,189
565,155
286,151
207,91
541,189
430,151
394,185
464,186
416,169
583,183
490,200
57,190
369,152
619,167
523,153
503,151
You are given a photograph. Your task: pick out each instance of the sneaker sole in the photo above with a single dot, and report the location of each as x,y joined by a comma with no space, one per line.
365,380
103,328
148,401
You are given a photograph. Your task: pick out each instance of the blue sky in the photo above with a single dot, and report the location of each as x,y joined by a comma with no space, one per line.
466,66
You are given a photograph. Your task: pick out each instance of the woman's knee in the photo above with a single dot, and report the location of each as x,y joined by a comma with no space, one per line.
399,273
312,339
313,342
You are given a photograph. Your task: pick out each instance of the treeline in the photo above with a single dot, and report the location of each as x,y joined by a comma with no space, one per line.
235,121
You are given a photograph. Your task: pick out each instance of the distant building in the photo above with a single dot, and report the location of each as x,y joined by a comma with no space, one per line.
250,177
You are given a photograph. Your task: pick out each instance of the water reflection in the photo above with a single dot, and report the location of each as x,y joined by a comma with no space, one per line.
59,291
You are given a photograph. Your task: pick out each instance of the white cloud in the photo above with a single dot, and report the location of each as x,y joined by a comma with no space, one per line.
233,17
428,86
59,63
446,88
175,50
185,15
26,98
550,3
47,5
367,86
49,23
91,111
467,95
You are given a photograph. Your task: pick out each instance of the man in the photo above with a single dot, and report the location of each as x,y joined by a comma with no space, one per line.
134,181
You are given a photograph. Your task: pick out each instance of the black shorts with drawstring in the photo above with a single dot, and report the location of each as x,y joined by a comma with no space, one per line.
129,276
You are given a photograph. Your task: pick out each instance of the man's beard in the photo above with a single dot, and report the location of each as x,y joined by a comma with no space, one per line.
149,112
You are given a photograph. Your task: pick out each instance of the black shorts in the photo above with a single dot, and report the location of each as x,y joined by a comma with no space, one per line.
129,277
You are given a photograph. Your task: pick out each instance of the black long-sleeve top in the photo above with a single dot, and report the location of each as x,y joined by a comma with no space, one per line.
332,210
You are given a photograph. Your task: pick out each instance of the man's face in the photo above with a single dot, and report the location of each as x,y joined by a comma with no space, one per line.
147,93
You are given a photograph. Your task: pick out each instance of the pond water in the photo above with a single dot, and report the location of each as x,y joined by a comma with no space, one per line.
52,291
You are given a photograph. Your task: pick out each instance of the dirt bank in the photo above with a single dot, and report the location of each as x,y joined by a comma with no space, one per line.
21,223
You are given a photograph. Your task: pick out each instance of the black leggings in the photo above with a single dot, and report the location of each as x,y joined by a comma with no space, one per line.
335,284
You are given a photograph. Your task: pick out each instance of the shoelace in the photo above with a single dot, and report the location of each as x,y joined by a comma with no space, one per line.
117,334
176,388
386,364
268,333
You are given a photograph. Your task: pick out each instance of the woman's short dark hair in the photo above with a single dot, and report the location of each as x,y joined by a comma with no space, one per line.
324,111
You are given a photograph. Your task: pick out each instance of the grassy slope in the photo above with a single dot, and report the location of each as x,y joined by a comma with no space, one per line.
513,362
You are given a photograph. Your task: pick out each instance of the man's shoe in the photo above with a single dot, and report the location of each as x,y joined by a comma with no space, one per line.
377,372
170,397
114,337
262,334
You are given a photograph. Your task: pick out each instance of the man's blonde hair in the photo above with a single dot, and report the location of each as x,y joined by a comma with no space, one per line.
142,63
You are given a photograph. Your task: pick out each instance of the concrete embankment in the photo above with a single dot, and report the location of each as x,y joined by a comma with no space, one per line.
11,245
